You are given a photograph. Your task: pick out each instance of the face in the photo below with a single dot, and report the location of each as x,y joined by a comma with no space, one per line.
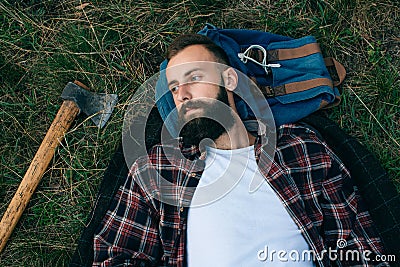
196,84
191,75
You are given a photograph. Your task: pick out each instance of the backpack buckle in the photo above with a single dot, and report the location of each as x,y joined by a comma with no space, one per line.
268,91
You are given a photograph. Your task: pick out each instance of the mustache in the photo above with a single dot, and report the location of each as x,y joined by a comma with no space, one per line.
197,103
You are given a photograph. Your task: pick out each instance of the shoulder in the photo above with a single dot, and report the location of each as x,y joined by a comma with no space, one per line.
299,140
166,161
156,157
300,147
289,133
170,150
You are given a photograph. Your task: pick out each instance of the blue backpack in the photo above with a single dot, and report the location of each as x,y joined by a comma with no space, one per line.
291,73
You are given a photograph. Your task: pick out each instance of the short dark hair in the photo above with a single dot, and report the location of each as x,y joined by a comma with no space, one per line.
186,40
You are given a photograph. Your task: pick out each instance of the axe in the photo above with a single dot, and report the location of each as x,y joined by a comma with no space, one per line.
77,99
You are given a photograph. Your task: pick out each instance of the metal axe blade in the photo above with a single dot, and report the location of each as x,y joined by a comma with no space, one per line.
98,107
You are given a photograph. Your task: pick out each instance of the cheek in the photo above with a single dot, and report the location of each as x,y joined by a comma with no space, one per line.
178,104
174,97
205,90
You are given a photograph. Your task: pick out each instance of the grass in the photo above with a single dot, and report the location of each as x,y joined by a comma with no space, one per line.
114,46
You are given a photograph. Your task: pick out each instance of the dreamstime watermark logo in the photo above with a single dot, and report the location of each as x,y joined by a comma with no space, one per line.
341,243
271,255
193,76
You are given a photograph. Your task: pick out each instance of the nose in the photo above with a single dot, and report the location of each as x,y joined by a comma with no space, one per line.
184,92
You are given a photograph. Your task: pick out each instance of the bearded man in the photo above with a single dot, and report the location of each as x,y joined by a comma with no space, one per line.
305,203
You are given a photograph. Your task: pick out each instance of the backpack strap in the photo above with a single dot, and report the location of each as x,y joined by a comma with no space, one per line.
283,53
294,87
291,53
340,70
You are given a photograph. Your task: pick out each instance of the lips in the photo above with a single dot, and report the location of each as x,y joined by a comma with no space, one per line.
191,105
190,110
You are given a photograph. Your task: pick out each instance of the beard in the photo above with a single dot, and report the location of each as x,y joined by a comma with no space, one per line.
206,125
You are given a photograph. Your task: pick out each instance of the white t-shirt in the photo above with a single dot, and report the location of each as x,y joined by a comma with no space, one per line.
236,227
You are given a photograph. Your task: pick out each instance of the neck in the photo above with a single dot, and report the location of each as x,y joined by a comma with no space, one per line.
237,137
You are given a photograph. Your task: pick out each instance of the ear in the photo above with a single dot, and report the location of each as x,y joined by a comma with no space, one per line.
230,79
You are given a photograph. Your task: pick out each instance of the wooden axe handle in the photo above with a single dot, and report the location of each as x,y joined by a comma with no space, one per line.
63,120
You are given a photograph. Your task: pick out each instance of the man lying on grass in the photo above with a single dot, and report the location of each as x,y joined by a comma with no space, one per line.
305,212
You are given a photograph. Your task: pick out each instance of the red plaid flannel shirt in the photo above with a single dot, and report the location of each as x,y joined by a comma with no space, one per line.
312,183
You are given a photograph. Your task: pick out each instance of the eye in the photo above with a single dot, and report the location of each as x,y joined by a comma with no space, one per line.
175,88
195,78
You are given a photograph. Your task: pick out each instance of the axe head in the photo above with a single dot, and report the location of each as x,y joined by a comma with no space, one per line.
97,106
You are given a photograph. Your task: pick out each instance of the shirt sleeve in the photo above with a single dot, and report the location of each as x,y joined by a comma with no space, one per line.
342,228
348,227
128,234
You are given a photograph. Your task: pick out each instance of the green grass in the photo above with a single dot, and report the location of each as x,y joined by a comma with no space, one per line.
114,46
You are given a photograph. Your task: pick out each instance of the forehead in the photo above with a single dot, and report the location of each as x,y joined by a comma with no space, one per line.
191,58
190,54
